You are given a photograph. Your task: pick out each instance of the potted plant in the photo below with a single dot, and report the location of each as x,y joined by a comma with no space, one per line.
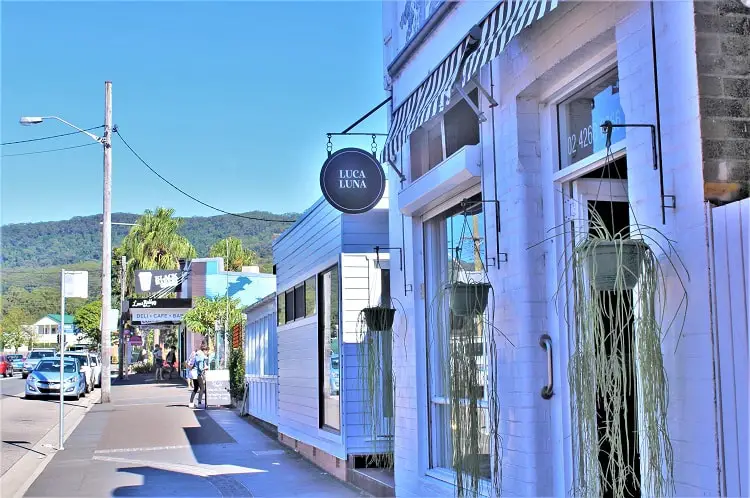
614,264
379,318
468,298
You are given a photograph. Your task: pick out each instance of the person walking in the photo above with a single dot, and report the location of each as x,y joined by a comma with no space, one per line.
198,375
159,362
171,358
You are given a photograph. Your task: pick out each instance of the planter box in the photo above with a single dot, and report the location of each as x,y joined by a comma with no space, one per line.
378,318
469,299
606,259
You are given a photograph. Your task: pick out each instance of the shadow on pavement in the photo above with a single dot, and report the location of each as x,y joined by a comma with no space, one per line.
18,444
159,482
148,379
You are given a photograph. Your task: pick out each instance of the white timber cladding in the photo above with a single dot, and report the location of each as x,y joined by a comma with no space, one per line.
322,238
261,361
542,65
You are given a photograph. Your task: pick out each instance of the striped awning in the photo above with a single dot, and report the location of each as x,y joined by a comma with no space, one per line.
431,97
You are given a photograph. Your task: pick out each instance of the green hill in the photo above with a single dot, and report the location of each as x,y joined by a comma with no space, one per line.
78,240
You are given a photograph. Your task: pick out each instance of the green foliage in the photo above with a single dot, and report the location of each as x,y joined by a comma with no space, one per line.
154,244
52,243
13,331
39,302
235,256
87,318
237,373
207,311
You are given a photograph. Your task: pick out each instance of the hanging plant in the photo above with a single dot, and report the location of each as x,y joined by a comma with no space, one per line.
377,380
618,284
465,351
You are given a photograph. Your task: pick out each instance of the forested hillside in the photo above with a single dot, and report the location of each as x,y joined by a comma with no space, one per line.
51,243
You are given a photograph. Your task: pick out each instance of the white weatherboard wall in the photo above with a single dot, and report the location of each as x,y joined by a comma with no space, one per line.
261,360
320,239
544,61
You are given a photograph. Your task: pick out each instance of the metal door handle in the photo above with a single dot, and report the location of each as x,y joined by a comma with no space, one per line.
545,341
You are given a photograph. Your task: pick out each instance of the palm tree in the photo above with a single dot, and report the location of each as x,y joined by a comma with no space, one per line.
154,244
235,256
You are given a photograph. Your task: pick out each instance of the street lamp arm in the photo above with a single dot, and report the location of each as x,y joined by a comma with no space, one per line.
98,139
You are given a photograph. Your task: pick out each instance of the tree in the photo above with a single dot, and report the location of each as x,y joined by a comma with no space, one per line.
87,320
210,312
154,244
235,256
12,331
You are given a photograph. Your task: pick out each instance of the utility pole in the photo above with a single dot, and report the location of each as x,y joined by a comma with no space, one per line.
61,330
107,245
123,349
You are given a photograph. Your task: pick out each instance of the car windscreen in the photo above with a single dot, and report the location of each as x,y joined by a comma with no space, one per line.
54,366
35,355
14,357
80,357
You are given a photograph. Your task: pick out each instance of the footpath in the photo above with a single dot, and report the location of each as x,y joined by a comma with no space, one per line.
147,442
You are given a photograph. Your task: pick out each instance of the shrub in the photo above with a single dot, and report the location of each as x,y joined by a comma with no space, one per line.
237,373
142,367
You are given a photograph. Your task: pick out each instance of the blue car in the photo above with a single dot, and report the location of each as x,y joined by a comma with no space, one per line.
17,361
44,379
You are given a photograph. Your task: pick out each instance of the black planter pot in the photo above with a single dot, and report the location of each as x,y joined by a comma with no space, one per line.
379,318
469,299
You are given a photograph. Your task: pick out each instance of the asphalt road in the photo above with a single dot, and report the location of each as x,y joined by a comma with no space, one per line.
24,422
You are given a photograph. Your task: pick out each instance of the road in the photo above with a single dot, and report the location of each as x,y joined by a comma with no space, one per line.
24,422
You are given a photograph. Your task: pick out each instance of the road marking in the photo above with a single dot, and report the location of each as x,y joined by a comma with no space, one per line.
269,452
149,448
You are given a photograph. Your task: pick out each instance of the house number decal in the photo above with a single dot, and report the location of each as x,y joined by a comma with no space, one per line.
352,180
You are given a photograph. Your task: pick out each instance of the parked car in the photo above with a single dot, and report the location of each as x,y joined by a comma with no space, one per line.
96,366
33,358
6,367
86,360
45,380
16,360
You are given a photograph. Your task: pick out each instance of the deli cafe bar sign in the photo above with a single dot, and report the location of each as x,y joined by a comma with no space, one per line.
352,180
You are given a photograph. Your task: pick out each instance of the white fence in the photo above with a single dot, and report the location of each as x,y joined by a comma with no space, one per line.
729,239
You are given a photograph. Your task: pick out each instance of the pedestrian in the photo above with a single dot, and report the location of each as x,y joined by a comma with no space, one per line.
171,358
159,362
198,369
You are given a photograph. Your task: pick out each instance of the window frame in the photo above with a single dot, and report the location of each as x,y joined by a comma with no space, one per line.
322,422
419,143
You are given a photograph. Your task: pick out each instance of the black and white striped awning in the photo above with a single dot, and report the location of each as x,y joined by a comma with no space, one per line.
430,98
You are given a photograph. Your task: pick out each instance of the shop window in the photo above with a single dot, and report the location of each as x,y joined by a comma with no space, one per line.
580,118
281,308
443,136
329,360
311,290
455,251
289,306
299,301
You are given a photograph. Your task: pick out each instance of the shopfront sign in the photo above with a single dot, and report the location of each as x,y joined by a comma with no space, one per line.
157,280
352,180
160,303
135,340
157,315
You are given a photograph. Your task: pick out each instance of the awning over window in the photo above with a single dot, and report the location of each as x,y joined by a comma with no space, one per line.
498,29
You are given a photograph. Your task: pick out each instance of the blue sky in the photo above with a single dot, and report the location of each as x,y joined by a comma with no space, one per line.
229,100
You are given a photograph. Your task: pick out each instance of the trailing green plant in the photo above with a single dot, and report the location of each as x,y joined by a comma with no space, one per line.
237,373
619,294
464,345
377,382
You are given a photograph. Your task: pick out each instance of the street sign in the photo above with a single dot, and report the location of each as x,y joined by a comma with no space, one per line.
352,180
76,284
135,340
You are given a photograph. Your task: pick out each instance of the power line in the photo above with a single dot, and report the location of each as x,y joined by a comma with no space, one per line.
51,136
48,150
190,196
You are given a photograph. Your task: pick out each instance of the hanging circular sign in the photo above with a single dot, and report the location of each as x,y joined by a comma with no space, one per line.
352,180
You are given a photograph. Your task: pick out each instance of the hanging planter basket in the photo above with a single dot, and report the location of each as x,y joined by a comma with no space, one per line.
469,299
379,318
606,261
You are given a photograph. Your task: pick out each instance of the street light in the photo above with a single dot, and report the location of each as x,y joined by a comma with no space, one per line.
106,141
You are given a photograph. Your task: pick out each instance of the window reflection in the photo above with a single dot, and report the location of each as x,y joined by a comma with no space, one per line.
330,357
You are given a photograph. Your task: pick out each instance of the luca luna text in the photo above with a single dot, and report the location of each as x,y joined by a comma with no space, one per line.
352,178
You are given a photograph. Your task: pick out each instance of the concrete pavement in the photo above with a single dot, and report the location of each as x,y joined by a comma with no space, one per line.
147,442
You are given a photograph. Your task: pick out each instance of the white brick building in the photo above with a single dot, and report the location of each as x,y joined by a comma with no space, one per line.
526,159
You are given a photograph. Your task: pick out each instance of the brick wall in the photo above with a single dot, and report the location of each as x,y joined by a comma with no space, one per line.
722,32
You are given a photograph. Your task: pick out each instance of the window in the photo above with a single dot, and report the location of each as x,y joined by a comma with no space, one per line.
580,118
289,305
311,290
328,349
455,250
443,136
281,308
299,301
386,347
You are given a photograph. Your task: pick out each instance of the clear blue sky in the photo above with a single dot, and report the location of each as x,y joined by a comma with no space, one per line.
229,100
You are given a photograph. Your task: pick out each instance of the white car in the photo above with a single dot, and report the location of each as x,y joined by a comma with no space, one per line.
96,366
85,359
